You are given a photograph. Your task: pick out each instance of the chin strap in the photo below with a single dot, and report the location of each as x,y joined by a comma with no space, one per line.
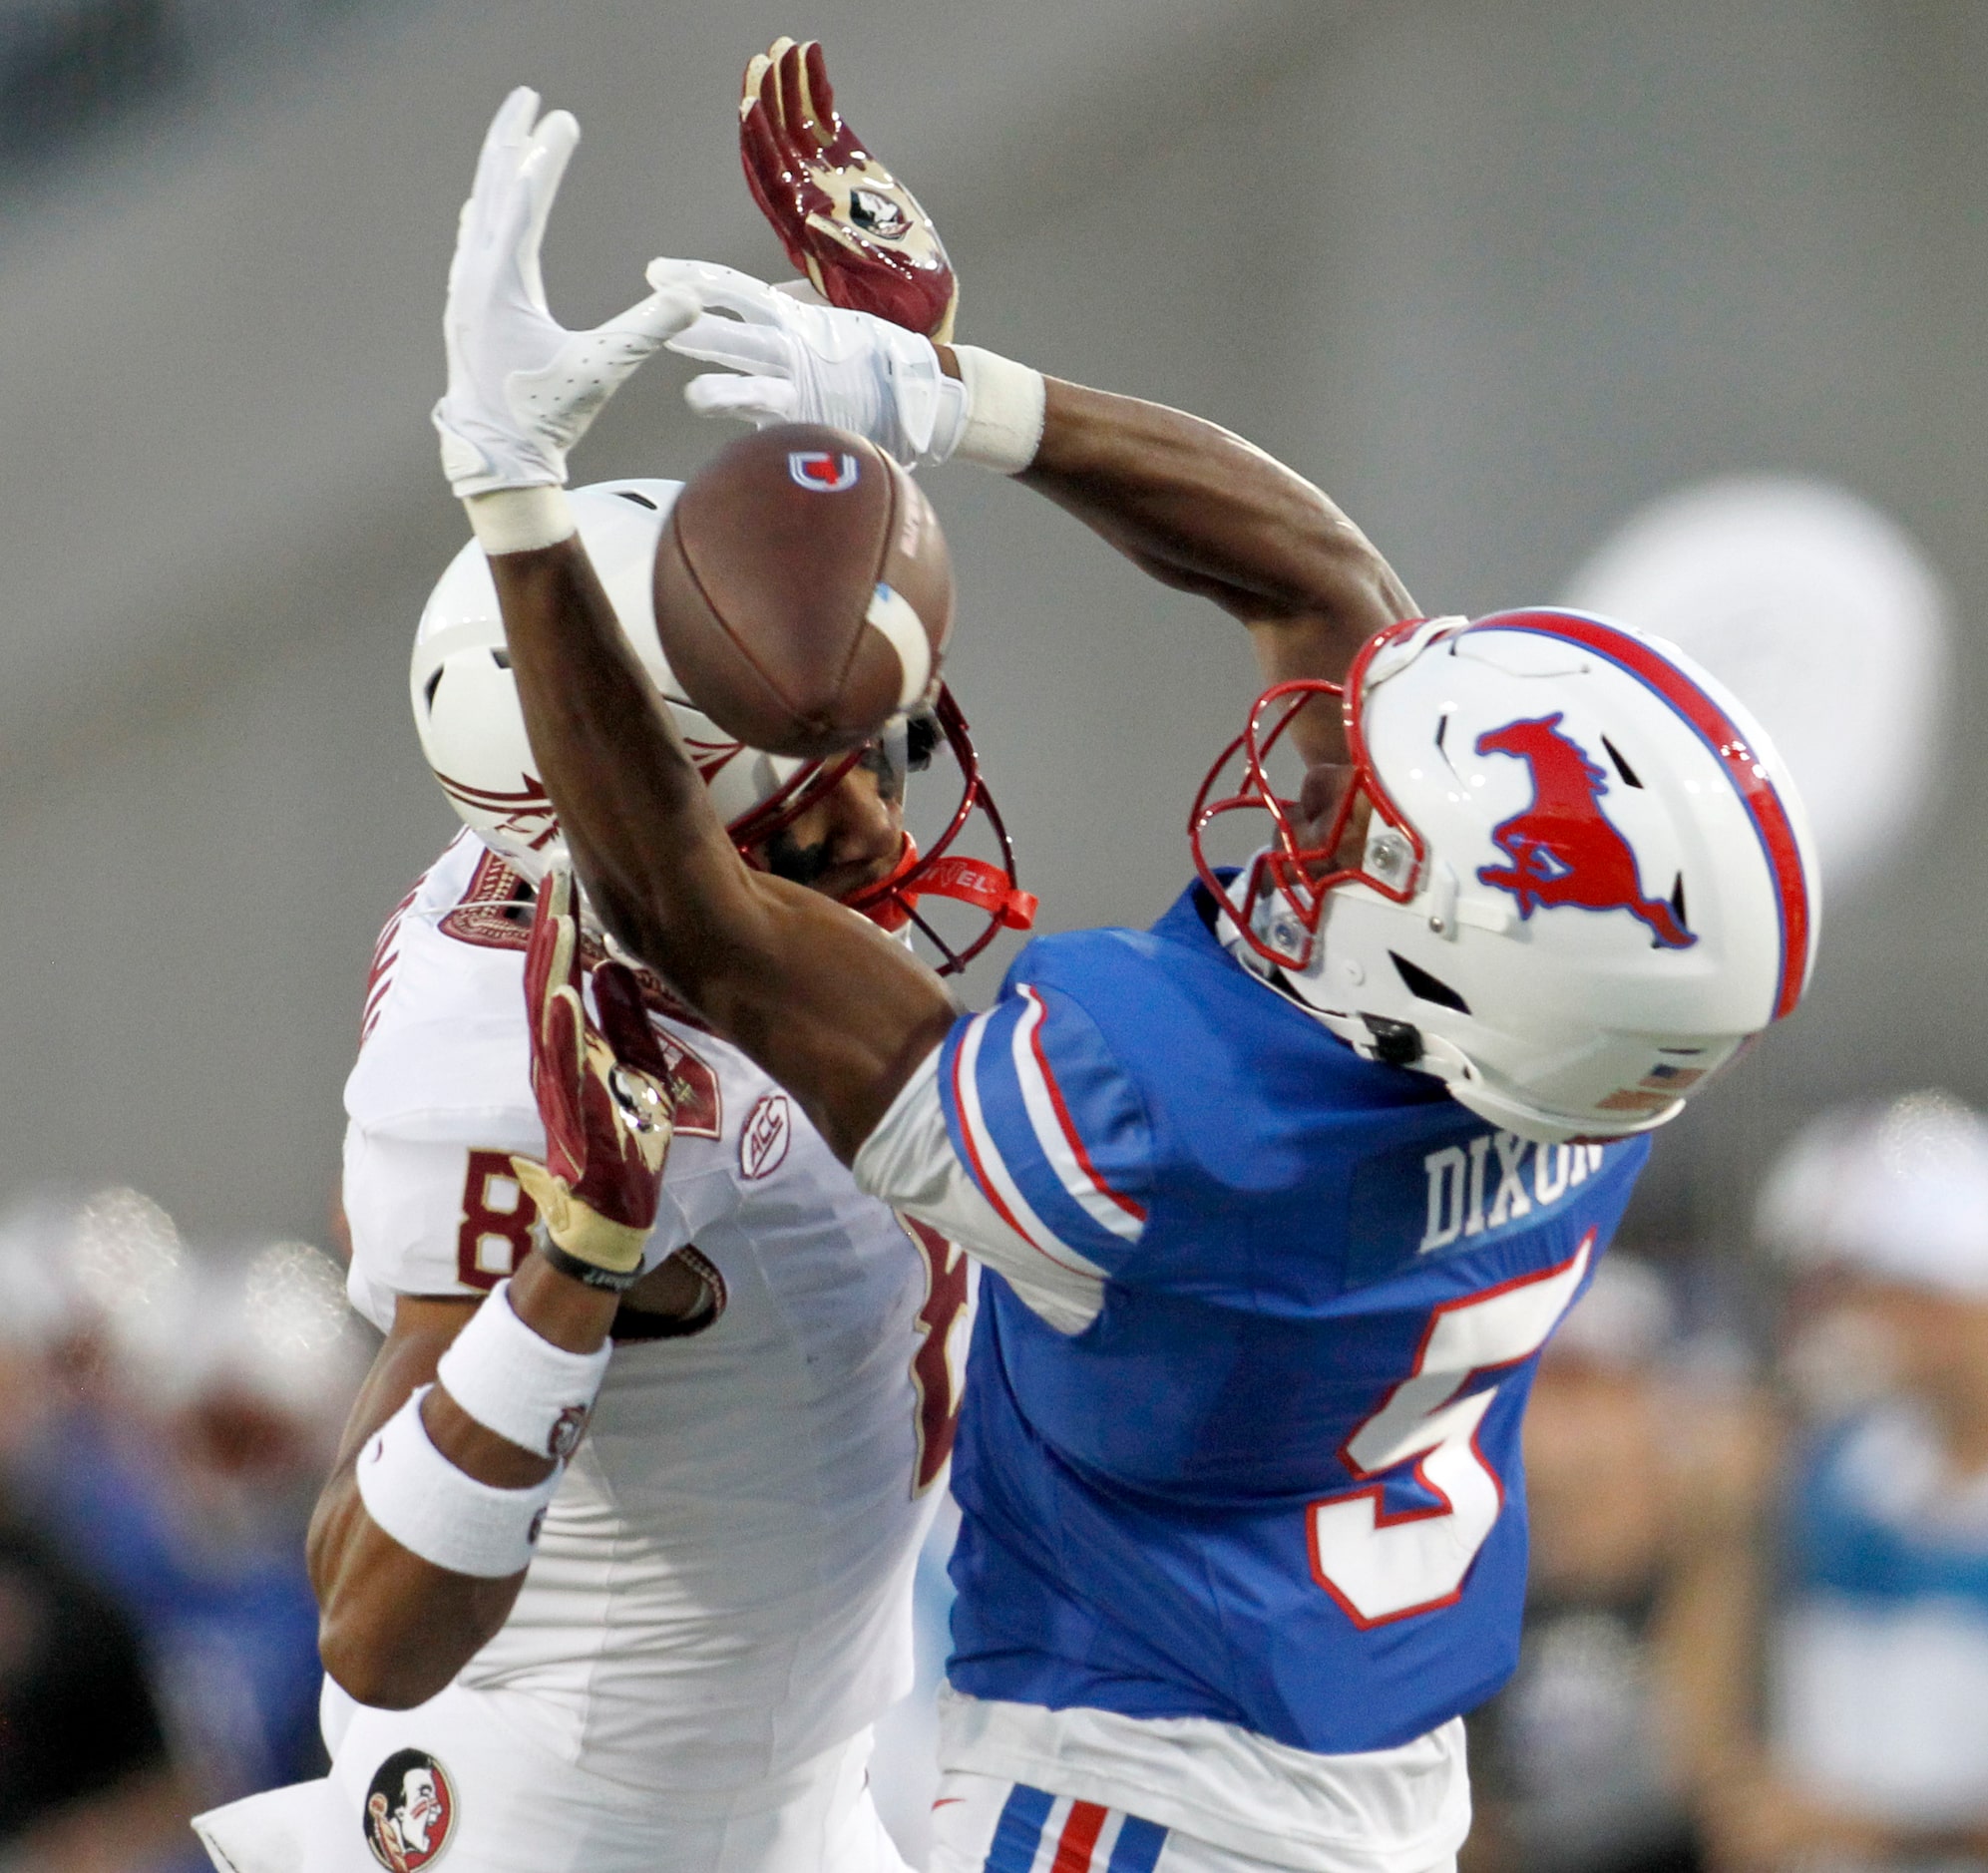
976,882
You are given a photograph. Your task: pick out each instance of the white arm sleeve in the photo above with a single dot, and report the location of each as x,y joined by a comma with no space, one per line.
909,1163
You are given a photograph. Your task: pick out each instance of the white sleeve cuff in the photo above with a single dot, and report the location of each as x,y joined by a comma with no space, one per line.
442,1514
516,1383
1005,404
520,520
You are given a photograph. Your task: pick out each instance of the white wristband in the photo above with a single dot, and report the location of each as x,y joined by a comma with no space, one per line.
516,1384
520,520
1005,402
442,1514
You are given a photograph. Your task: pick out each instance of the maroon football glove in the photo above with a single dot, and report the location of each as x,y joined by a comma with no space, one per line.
603,1092
845,221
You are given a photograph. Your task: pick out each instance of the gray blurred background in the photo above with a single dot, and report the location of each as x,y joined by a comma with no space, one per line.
1493,274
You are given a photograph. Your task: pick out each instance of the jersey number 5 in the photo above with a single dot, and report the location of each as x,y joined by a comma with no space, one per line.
1382,1567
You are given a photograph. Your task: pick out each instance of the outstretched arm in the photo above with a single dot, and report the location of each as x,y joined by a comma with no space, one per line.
817,995
1186,500
1193,506
1203,511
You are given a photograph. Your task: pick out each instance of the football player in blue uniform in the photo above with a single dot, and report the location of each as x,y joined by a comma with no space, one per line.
1277,1199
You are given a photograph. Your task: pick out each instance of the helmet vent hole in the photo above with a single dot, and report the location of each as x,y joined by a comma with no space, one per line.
640,501
1622,767
1441,729
501,658
1678,901
1426,987
429,688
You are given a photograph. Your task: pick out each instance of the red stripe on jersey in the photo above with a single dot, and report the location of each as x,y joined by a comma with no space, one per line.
379,978
1136,1211
1079,1838
974,1164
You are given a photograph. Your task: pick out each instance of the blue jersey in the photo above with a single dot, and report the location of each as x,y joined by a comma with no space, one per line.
1276,1481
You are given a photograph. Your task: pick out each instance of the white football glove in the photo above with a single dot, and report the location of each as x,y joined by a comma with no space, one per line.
522,388
804,363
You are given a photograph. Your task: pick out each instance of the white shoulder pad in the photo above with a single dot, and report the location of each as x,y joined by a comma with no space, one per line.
443,1054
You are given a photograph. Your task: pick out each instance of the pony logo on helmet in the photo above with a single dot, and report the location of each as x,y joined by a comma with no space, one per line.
1417,910
1564,850
472,730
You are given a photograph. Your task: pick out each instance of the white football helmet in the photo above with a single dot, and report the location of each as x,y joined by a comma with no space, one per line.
472,730
1571,970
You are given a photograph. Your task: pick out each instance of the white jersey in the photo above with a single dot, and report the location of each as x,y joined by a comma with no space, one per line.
722,1587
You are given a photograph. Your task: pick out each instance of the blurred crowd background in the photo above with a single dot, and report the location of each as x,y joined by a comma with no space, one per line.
1673,310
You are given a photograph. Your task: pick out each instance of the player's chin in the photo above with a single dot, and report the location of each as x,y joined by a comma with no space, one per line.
844,881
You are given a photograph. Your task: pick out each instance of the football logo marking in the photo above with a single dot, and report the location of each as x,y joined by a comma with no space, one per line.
820,473
770,1128
1563,847
410,1811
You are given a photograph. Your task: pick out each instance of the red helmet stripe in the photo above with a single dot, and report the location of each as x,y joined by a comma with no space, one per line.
1721,735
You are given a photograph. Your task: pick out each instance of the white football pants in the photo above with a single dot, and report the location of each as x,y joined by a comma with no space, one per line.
984,1824
405,1785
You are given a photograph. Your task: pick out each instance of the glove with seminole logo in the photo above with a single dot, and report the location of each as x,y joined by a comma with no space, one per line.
865,360
845,221
603,1092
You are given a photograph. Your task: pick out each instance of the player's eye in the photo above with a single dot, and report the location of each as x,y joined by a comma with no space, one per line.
920,740
890,780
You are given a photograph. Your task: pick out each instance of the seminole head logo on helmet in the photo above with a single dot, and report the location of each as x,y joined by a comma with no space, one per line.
1479,891
472,730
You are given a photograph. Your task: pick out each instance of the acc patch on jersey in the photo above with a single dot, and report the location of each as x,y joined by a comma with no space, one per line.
762,1145
410,1811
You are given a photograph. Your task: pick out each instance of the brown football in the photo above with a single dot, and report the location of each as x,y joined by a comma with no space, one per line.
803,590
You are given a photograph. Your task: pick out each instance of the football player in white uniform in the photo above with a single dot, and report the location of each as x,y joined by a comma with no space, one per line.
717,1604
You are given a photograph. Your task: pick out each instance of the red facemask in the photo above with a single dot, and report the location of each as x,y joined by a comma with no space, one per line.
892,902
1301,865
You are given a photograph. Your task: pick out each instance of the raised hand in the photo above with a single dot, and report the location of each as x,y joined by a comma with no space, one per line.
522,388
857,232
801,363
603,1092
